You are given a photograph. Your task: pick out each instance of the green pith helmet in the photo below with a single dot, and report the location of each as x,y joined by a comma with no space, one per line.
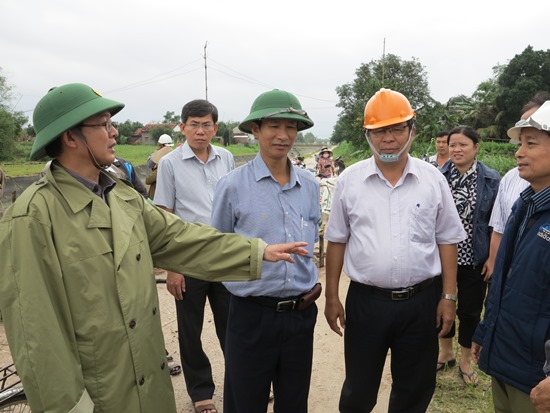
277,104
64,107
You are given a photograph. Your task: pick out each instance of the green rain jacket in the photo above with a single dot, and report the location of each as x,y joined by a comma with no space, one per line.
78,293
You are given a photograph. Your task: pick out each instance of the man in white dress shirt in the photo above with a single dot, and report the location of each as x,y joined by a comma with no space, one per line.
393,228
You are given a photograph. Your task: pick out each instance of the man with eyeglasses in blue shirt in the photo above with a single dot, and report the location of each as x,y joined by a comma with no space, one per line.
186,180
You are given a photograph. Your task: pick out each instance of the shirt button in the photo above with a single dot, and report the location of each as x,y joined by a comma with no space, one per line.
154,310
132,324
138,257
141,381
162,366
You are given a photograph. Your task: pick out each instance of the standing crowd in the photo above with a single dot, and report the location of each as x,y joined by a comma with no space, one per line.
423,243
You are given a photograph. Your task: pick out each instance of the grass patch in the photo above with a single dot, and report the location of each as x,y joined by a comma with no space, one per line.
452,395
136,154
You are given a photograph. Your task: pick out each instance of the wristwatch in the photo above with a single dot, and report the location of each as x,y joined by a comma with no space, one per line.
448,297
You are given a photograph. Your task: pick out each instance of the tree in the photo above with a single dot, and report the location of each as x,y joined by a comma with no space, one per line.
126,129
172,117
406,77
526,74
11,123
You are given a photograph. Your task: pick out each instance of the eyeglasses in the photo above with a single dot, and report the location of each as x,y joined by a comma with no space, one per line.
287,110
206,126
396,131
109,125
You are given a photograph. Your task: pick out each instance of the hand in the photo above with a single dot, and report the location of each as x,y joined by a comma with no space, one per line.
476,352
334,313
446,313
281,252
487,270
540,396
175,283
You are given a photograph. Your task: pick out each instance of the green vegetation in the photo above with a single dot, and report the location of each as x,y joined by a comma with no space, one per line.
496,155
136,154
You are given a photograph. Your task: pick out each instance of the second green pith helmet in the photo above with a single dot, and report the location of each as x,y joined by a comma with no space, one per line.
276,104
63,108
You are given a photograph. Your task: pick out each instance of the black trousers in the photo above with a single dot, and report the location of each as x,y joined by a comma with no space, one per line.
196,367
376,324
471,294
264,346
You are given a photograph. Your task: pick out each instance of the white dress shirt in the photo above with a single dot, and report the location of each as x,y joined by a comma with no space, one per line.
511,185
392,233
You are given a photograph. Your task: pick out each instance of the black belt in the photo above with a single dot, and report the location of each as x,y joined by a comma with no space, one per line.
401,293
279,304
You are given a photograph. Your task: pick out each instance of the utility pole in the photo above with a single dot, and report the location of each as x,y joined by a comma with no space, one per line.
383,59
205,72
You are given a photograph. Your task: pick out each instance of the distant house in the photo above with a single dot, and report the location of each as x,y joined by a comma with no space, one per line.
143,136
239,137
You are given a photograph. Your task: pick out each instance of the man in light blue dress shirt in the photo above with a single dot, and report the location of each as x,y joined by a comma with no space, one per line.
270,332
186,180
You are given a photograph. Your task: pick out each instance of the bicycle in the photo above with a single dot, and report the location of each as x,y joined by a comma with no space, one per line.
12,395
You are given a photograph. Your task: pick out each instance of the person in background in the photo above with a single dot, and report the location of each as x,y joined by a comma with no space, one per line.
271,322
474,187
442,148
325,165
125,170
509,342
164,141
186,180
393,228
151,179
81,311
509,189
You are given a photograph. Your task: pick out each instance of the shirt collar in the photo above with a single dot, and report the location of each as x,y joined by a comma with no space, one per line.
187,152
540,198
410,168
101,189
261,171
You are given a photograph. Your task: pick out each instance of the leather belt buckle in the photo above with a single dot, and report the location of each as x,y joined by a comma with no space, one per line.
404,294
287,305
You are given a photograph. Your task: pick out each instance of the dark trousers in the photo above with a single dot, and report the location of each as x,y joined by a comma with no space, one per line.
376,324
471,294
197,370
264,346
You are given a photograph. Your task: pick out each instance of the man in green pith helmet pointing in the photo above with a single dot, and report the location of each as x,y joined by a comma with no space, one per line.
77,252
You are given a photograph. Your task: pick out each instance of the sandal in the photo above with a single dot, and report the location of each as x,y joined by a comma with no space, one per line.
470,379
204,407
444,365
175,369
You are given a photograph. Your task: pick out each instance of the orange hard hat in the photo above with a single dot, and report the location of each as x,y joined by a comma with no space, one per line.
387,107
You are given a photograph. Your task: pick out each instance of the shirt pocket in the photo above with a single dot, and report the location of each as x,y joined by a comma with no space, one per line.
422,224
308,235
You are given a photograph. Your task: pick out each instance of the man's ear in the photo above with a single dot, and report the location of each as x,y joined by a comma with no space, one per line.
69,139
255,129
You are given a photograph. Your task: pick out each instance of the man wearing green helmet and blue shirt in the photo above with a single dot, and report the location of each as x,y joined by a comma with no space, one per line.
77,252
269,337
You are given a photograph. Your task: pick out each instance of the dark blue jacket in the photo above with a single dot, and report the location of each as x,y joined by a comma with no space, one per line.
517,318
487,188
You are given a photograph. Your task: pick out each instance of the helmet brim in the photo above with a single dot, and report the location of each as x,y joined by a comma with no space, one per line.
304,122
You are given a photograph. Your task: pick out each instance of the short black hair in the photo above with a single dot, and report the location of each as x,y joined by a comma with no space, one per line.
465,130
442,134
199,108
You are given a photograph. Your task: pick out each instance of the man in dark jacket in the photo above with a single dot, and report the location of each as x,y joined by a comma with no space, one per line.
509,342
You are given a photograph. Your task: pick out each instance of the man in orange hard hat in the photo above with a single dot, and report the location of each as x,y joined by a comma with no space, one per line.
393,228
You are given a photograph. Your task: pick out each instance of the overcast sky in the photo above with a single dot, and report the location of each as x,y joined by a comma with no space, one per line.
150,54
